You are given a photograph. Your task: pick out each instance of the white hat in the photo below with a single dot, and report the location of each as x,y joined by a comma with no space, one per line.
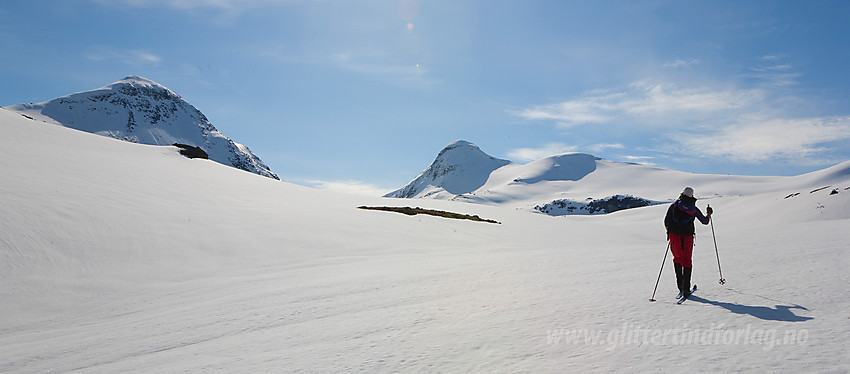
689,192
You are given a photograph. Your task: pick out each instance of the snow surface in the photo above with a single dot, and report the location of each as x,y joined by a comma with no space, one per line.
123,257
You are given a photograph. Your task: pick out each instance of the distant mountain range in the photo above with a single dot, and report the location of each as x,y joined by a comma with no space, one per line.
578,183
139,110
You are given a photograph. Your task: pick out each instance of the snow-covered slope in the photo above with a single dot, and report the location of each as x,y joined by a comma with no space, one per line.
139,110
577,183
121,257
461,167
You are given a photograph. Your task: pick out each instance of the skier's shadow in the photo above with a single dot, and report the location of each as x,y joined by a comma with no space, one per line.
780,313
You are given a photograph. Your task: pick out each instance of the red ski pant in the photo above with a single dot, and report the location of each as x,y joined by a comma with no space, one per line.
682,247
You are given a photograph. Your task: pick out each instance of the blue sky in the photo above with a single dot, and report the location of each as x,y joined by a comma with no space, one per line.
362,95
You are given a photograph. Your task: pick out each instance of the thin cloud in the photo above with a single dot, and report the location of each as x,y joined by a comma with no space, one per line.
531,154
762,140
680,63
594,108
643,160
221,10
554,148
773,72
350,187
662,103
776,80
602,147
192,4
400,73
779,67
733,124
128,57
375,64
666,99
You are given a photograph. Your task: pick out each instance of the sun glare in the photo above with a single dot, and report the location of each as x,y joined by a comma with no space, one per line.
408,10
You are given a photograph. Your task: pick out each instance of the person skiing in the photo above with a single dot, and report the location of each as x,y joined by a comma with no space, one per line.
679,223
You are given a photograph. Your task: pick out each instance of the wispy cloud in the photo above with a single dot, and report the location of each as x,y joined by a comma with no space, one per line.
659,99
593,108
554,148
383,68
770,139
531,154
219,10
643,160
663,103
603,147
374,63
774,73
742,125
681,63
351,187
192,4
131,57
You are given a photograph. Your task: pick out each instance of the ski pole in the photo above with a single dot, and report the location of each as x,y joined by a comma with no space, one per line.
659,271
722,281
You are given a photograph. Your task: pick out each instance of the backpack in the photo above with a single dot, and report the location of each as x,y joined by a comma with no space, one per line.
684,213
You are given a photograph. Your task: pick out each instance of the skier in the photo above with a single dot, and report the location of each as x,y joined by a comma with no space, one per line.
679,223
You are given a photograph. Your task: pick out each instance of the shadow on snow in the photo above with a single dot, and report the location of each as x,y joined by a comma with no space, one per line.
779,313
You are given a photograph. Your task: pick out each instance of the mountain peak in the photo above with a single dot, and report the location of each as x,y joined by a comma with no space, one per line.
463,149
139,80
461,167
139,110
134,85
460,143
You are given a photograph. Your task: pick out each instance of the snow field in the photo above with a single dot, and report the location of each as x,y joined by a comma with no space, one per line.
119,257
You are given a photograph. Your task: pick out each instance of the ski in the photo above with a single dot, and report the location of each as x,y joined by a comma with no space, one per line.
682,299
679,296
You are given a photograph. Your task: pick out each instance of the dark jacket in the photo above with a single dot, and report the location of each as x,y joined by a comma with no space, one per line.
681,214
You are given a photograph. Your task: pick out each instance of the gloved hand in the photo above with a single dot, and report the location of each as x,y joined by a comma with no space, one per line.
709,210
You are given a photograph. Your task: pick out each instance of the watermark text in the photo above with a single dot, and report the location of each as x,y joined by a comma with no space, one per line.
715,334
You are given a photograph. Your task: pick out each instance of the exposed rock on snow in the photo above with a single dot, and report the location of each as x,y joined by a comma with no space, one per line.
191,151
431,212
598,206
139,110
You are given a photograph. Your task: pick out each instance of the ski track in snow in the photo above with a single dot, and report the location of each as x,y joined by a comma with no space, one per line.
119,257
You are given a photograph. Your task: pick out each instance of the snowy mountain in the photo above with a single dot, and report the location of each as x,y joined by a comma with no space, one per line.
118,257
139,110
571,183
460,168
